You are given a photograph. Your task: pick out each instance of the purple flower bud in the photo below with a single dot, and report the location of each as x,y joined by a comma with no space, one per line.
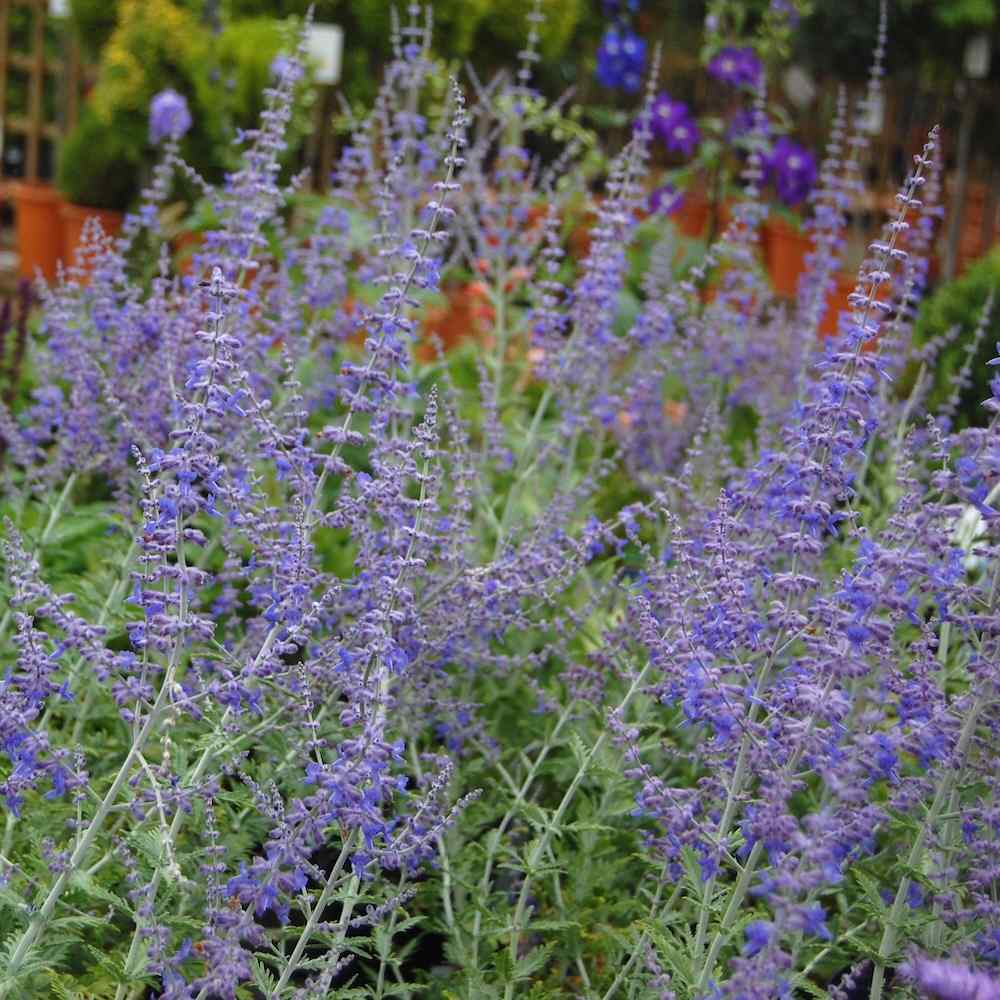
673,125
758,936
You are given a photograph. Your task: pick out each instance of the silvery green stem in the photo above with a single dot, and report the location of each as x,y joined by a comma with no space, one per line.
41,918
329,887
542,844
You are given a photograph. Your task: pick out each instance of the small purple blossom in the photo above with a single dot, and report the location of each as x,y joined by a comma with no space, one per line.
739,67
673,125
758,936
793,170
169,117
281,64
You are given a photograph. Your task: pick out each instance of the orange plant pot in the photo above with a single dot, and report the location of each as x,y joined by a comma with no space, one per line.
836,303
39,232
186,245
691,217
74,217
785,249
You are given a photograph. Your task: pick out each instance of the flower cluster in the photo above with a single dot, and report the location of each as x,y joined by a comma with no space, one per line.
738,67
792,169
673,125
621,58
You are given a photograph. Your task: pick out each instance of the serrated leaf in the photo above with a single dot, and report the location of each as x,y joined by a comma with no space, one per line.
262,977
529,964
82,882
554,925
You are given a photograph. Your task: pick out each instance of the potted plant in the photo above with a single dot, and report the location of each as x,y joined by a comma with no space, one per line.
97,176
785,250
157,47
791,168
39,232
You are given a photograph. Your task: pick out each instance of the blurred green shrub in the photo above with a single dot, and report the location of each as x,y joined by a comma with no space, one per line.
960,303
155,44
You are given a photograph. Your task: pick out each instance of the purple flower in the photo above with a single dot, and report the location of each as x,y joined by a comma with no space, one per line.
758,936
793,169
673,125
621,57
665,200
743,124
280,65
737,67
169,117
950,980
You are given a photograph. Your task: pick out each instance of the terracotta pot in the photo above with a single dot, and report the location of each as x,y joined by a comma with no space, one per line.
836,303
186,245
785,249
74,218
39,233
691,217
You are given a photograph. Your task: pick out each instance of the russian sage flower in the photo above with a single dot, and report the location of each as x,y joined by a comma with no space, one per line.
169,116
942,980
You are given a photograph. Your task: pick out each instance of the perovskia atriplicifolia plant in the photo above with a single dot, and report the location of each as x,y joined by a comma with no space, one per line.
333,671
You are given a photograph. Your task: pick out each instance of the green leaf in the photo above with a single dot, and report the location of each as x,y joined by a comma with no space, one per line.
262,977
531,963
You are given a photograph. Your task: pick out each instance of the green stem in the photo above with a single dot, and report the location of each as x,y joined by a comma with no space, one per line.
542,844
331,884
494,840
40,920
57,508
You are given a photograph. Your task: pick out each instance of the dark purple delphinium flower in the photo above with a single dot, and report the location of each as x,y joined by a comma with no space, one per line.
621,57
672,123
793,169
951,980
739,67
169,117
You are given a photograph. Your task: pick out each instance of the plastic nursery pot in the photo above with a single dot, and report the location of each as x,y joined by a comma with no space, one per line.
39,233
74,218
785,249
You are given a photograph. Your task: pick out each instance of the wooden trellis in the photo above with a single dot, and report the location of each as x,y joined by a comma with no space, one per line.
38,67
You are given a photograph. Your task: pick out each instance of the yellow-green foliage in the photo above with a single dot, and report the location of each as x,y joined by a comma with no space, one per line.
156,43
